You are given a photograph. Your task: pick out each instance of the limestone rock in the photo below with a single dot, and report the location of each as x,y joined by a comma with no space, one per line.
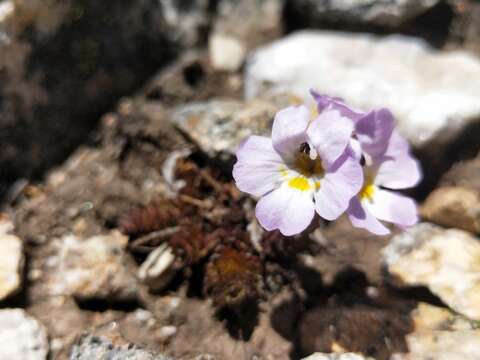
446,261
389,13
433,95
21,336
11,264
96,268
453,207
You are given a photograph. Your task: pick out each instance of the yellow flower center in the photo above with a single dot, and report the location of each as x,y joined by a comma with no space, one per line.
299,183
368,191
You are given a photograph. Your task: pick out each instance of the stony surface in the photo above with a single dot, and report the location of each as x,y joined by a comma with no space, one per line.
389,13
93,268
21,336
328,295
219,126
12,263
432,94
446,261
91,347
453,207
337,356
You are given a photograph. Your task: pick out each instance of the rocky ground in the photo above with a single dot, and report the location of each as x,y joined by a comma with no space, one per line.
122,233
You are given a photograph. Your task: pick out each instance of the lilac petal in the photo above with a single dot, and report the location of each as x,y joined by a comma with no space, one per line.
258,169
325,101
362,218
393,207
286,209
341,182
288,131
330,134
374,130
398,169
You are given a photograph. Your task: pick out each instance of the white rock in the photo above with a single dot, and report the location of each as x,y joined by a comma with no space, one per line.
446,261
336,356
432,94
21,336
226,52
12,261
92,268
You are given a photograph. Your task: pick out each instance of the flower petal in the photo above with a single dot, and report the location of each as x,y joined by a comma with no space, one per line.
288,131
325,101
398,169
374,130
287,209
362,218
342,181
330,134
259,166
392,207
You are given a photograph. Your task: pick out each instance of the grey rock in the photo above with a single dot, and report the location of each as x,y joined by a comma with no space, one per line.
92,347
219,126
433,95
21,336
389,13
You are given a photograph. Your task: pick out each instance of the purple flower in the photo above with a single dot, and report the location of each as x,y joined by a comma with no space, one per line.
387,163
394,169
372,130
305,167
325,102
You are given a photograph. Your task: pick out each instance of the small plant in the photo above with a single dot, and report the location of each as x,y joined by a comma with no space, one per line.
339,160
